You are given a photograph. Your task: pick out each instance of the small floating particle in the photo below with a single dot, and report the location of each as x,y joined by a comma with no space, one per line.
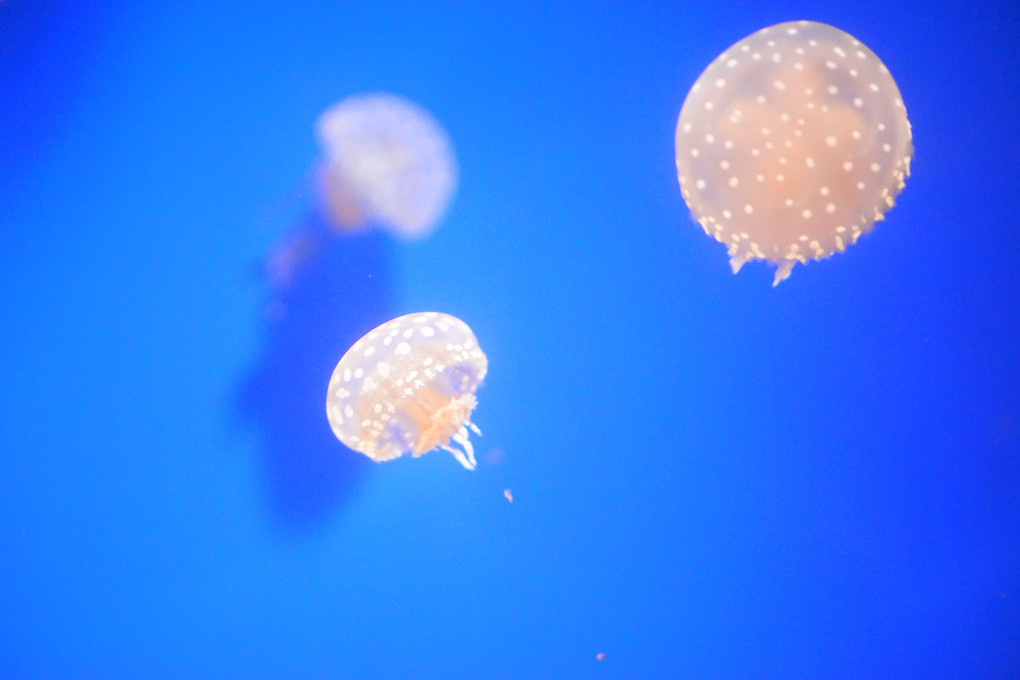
600,656
509,496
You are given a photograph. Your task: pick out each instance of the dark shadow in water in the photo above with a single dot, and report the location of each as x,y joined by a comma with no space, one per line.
325,292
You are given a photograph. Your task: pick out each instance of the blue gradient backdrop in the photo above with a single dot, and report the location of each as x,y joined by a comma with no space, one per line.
712,478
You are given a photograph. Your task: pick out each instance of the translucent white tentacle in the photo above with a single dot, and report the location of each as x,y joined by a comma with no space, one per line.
783,271
467,456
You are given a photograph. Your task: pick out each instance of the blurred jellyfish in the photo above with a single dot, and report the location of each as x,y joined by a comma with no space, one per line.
386,162
791,144
408,387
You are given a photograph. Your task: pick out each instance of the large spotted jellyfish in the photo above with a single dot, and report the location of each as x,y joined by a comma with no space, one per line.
791,144
408,387
386,162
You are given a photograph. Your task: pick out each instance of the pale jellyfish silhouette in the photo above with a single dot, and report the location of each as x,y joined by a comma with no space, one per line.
386,162
408,387
791,144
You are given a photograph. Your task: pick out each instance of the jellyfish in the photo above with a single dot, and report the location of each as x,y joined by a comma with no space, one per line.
791,144
408,387
386,162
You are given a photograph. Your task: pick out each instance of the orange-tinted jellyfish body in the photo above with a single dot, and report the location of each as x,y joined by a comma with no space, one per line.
408,387
792,144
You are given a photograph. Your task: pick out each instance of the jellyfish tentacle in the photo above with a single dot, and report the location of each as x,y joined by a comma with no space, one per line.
783,271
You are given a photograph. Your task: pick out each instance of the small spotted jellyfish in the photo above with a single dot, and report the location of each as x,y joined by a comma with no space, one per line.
408,387
386,162
791,144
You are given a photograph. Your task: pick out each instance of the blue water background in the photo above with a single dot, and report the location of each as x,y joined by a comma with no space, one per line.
711,478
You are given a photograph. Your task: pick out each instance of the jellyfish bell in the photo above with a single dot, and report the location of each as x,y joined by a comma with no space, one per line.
386,162
408,387
791,144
